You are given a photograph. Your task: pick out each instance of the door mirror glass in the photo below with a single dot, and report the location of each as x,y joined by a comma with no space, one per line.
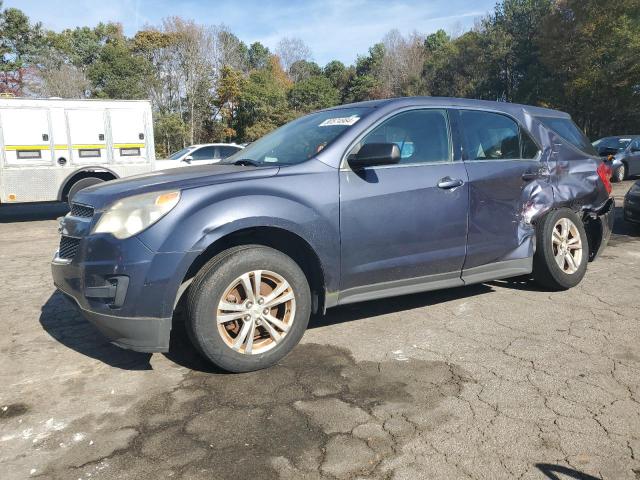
187,159
372,154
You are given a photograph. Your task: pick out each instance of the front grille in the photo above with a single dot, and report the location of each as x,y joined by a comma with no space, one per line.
68,247
79,210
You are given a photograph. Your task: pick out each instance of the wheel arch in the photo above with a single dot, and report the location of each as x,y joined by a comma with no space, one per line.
84,172
278,238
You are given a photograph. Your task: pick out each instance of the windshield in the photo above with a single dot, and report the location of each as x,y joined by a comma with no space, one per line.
177,155
301,139
618,143
570,132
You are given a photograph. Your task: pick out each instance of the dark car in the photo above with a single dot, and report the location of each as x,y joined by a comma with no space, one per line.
348,204
626,155
632,203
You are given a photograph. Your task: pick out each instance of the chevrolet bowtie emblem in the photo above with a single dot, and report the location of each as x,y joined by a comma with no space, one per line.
61,229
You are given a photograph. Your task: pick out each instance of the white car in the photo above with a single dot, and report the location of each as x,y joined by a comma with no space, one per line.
200,154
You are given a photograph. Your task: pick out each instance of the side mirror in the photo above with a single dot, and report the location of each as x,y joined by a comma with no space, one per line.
373,154
187,159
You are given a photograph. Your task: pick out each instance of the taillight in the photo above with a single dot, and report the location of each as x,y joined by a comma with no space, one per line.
604,172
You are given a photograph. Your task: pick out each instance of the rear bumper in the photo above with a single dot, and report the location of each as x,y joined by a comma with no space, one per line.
599,228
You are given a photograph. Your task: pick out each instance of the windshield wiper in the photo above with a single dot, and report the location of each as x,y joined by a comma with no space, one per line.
244,162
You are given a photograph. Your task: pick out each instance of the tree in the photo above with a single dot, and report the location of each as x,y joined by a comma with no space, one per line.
590,48
258,56
290,51
313,93
303,69
117,73
366,84
65,81
20,42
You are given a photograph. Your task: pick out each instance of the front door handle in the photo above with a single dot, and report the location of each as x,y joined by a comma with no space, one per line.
447,183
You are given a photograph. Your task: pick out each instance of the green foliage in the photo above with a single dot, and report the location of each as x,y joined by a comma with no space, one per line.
258,56
118,73
313,93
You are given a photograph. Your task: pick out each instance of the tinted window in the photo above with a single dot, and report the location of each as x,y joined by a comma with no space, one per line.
204,153
227,151
489,136
421,135
570,132
635,146
529,148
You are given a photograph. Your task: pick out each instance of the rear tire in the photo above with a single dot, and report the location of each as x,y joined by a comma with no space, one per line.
562,250
260,330
81,184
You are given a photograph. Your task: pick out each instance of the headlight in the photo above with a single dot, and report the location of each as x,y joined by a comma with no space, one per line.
133,214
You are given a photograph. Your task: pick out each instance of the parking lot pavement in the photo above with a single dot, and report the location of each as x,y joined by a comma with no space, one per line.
500,380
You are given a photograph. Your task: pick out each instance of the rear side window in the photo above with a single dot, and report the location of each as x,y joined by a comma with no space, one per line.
492,136
421,135
570,132
204,153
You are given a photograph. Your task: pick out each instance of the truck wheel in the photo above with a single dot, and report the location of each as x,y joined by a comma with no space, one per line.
620,173
247,308
562,250
80,184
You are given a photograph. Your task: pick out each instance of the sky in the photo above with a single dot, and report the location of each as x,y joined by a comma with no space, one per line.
333,29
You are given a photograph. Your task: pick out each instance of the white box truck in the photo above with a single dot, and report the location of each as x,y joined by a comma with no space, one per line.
52,148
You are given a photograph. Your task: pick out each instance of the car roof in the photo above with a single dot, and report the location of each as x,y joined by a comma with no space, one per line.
457,102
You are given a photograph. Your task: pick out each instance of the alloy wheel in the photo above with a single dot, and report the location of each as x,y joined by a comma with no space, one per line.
567,246
256,311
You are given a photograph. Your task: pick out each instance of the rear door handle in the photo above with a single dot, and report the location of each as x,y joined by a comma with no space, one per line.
448,183
529,175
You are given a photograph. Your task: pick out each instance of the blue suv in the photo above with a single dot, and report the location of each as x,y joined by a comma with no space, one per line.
344,205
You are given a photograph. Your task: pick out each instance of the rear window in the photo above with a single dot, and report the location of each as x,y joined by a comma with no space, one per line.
570,132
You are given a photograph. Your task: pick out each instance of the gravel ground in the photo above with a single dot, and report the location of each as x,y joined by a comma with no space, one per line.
500,380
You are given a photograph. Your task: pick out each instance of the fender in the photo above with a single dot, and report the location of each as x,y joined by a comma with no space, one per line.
207,214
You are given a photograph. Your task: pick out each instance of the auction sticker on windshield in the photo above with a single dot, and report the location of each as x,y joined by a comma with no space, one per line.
346,121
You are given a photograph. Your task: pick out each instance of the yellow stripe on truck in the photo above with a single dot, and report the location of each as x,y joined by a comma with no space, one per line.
75,147
128,145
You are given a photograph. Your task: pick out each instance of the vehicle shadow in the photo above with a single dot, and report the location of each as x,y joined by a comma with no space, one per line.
553,472
62,320
622,227
31,212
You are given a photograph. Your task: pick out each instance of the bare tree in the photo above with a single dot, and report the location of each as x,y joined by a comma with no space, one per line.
66,81
402,63
291,50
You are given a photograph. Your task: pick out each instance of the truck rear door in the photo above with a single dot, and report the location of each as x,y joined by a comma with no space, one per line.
87,133
26,135
128,135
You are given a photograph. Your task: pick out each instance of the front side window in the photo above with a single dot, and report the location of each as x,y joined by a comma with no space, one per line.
204,153
422,136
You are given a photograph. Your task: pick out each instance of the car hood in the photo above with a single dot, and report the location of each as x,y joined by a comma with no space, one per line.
182,178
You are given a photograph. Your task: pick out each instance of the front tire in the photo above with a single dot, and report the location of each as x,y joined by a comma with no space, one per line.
562,250
248,307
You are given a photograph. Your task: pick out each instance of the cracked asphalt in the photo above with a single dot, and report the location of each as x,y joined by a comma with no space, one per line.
500,380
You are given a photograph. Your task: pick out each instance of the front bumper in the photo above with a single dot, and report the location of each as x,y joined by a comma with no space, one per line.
126,290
